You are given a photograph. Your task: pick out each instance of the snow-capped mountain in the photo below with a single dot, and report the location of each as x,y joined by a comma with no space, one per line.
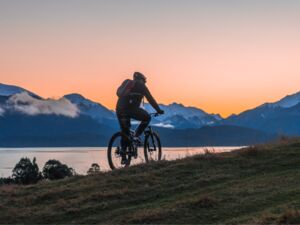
288,101
89,108
281,117
14,98
28,120
8,90
179,116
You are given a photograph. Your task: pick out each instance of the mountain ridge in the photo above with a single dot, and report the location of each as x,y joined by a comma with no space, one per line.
8,90
278,117
263,122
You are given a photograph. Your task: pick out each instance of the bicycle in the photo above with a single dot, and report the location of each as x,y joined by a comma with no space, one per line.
152,148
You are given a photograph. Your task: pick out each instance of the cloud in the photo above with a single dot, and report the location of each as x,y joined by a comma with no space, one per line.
134,122
27,104
1,111
163,125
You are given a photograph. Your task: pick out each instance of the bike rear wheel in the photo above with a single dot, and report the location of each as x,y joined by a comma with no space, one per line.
113,152
152,148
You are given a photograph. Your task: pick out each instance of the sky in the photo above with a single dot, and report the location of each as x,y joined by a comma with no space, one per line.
221,56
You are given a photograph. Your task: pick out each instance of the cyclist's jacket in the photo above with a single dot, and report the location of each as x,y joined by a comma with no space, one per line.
134,99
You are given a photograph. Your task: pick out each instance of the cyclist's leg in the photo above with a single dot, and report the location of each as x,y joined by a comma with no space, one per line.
143,116
124,121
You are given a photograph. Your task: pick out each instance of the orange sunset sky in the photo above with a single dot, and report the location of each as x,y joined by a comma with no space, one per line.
221,56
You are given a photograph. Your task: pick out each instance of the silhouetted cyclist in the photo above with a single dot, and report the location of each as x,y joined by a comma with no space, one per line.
131,94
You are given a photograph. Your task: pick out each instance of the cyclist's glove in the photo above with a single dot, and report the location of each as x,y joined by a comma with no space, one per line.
161,112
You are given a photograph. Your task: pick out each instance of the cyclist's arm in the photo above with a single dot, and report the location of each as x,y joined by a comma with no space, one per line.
150,99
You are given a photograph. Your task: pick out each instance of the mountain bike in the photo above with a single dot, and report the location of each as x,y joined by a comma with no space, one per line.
151,146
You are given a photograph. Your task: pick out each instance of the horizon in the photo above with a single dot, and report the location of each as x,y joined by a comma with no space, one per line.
222,57
161,103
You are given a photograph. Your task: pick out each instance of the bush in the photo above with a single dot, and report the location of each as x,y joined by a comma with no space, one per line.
6,180
26,172
95,169
54,170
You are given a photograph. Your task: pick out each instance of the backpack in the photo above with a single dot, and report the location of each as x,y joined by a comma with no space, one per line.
125,88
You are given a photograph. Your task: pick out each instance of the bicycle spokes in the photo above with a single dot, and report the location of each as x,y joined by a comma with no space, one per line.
119,157
152,148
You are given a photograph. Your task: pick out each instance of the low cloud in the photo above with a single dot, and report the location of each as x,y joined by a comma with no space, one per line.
1,111
29,105
163,125
134,122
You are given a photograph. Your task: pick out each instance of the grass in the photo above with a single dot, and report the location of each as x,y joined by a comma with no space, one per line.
257,185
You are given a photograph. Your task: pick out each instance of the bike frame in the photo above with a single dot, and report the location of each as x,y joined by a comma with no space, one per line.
149,131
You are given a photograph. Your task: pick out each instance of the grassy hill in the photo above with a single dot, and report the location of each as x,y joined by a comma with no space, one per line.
257,185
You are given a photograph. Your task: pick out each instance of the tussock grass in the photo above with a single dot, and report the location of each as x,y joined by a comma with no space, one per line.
255,185
252,151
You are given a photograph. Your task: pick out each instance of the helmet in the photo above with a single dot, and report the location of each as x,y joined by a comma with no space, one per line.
139,76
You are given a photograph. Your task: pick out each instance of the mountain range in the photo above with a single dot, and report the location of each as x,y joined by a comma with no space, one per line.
181,117
281,117
27,119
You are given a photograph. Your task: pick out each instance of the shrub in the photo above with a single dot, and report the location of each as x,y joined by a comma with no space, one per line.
54,170
6,180
26,172
251,151
95,169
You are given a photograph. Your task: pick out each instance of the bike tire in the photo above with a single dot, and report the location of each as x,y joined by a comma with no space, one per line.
148,138
110,151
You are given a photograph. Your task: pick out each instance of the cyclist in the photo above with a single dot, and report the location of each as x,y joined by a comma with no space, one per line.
131,93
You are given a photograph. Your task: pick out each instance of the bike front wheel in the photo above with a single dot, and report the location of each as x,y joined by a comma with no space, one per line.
114,154
152,148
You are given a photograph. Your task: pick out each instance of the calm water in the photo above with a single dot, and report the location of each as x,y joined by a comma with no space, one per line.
82,158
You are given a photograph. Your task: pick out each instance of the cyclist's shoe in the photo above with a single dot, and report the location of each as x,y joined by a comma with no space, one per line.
123,156
124,160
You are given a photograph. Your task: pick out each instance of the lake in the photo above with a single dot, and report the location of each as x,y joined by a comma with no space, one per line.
81,159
